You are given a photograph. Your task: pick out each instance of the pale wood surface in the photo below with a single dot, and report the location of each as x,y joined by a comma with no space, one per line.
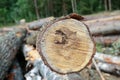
66,46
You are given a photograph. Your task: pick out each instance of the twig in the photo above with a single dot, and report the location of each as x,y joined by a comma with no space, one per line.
98,70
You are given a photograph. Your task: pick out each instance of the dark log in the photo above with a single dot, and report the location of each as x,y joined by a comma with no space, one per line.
15,72
9,45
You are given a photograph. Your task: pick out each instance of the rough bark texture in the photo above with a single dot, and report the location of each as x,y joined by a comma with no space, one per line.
9,45
15,72
31,38
62,44
109,68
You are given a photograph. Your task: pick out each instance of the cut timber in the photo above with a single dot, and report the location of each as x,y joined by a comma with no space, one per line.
104,26
9,45
36,25
103,19
109,68
106,39
107,58
65,45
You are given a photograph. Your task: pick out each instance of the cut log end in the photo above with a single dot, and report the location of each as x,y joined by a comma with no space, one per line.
66,46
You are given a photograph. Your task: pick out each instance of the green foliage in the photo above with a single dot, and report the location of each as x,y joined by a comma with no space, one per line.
89,6
99,47
11,11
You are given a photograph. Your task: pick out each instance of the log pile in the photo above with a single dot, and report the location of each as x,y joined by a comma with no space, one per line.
58,48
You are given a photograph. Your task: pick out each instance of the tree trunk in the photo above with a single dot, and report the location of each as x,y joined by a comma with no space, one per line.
110,6
64,7
36,9
74,6
106,5
9,45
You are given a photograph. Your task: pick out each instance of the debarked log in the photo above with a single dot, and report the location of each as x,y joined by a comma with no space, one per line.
9,45
106,39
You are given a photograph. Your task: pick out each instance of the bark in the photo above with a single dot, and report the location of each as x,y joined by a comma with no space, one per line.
108,63
107,58
106,40
109,68
31,38
15,72
36,25
9,45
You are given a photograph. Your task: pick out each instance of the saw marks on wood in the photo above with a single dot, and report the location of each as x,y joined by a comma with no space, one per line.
67,46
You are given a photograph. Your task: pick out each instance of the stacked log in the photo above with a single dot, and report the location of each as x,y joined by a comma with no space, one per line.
9,46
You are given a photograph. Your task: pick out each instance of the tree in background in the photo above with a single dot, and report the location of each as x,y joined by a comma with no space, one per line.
11,11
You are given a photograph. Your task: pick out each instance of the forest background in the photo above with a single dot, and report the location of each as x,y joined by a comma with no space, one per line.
12,11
